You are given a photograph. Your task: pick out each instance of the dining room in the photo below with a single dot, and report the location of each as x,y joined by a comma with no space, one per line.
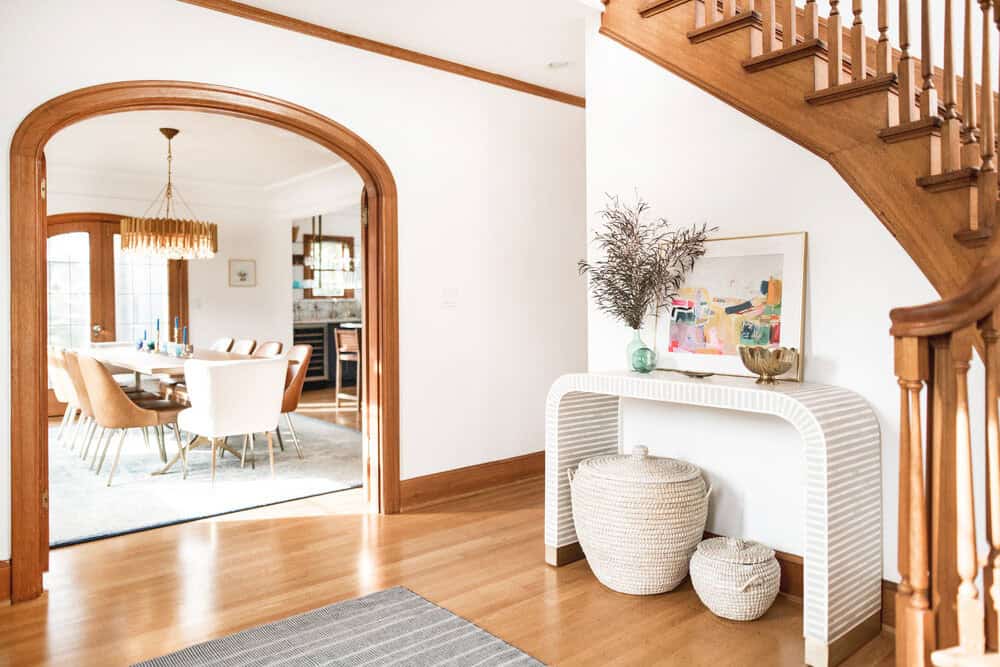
204,328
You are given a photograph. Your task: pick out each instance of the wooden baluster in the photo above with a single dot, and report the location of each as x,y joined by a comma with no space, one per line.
951,130
883,52
812,20
903,590
770,30
971,155
729,8
969,607
928,95
987,129
915,620
790,24
835,45
908,111
711,11
859,46
749,6
991,575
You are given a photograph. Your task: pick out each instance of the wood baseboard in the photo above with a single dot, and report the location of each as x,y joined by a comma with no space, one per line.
447,485
4,581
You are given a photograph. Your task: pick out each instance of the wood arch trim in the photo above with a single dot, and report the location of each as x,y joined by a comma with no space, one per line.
28,426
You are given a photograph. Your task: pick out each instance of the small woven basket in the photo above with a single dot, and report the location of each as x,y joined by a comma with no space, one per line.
638,519
735,579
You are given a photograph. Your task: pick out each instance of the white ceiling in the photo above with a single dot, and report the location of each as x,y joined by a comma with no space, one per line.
518,38
210,148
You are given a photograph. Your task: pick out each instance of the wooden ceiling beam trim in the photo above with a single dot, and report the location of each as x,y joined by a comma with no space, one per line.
276,20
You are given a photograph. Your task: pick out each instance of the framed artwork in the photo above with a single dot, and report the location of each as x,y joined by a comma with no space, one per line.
744,291
242,273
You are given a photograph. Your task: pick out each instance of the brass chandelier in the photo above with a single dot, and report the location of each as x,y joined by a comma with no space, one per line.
165,235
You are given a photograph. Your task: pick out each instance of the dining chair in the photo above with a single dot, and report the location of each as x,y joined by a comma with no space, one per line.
232,398
114,411
222,345
244,346
85,425
271,348
174,389
62,387
348,344
298,366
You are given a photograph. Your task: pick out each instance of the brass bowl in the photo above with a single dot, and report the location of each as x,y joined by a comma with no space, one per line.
767,364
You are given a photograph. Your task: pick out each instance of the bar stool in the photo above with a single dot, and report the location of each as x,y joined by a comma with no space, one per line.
348,344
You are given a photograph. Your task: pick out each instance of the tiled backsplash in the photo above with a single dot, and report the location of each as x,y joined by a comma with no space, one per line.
321,309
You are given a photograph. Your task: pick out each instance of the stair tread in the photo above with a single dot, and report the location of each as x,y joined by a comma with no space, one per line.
726,26
950,180
852,89
654,7
913,130
806,49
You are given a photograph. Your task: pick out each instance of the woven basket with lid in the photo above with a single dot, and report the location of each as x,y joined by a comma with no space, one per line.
736,579
638,519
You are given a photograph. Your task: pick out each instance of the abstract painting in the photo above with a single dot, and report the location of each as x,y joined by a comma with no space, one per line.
744,291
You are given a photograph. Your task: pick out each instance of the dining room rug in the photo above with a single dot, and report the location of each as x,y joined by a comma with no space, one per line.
392,627
82,507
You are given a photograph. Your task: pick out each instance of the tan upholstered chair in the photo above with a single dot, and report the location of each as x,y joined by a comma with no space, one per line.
222,345
348,344
113,410
62,387
298,366
85,425
174,389
268,349
244,346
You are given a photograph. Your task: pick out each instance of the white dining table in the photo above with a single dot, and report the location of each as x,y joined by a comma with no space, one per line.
142,362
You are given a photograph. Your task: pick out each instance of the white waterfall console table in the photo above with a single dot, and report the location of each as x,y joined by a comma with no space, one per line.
843,481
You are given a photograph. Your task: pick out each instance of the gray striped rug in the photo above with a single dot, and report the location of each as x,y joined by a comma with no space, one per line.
391,627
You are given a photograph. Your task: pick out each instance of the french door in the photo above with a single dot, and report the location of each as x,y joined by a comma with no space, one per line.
97,293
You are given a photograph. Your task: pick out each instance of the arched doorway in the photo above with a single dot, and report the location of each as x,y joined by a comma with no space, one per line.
29,432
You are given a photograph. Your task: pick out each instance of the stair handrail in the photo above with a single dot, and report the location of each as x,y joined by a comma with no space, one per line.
979,298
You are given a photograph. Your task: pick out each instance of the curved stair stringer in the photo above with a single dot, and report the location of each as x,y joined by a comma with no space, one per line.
844,132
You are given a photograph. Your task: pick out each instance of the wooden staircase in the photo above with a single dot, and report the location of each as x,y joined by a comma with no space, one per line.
918,144
897,129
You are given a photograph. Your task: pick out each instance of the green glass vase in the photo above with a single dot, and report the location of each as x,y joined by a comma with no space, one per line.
639,355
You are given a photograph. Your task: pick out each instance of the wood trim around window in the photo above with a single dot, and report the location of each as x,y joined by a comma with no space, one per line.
285,22
28,421
309,273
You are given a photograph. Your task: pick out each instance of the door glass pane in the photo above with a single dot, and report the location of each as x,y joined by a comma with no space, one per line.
140,294
68,259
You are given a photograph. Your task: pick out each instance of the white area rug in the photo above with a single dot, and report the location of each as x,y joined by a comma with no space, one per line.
82,507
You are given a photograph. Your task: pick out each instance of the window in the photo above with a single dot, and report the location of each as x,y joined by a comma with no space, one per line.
140,293
68,259
329,264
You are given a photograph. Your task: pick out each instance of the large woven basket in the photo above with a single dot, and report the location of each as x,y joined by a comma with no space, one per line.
638,519
736,579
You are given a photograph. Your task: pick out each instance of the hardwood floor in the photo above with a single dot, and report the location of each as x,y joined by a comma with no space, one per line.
134,597
319,403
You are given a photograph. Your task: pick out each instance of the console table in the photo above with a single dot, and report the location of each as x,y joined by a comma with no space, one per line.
843,480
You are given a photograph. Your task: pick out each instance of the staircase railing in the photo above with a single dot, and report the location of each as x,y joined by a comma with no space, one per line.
961,120
942,617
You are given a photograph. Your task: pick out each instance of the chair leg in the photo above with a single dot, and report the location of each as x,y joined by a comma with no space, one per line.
336,386
118,454
76,431
295,437
277,432
357,387
105,438
161,440
98,433
253,457
243,458
104,452
62,424
270,452
88,436
215,445
180,446
145,435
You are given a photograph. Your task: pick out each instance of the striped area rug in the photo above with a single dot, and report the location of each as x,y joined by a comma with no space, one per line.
391,627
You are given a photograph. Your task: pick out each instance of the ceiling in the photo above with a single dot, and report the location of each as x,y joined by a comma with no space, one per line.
210,148
517,38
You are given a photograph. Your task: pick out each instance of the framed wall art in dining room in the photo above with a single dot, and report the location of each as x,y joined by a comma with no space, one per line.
242,273
744,291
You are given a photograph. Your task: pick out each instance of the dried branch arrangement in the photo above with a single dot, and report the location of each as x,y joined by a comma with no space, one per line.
643,263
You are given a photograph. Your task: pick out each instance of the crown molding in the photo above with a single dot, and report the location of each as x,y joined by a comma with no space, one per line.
251,13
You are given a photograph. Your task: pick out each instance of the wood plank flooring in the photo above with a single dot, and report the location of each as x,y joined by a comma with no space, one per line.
319,404
129,598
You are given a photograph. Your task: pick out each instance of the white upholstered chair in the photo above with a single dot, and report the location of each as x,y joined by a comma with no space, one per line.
231,398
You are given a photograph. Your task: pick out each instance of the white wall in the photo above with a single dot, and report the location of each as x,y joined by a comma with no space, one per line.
490,185
696,159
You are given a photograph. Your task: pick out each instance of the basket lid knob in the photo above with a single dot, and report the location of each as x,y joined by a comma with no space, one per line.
640,451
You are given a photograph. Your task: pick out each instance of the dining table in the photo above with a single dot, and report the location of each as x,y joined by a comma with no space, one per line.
149,362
